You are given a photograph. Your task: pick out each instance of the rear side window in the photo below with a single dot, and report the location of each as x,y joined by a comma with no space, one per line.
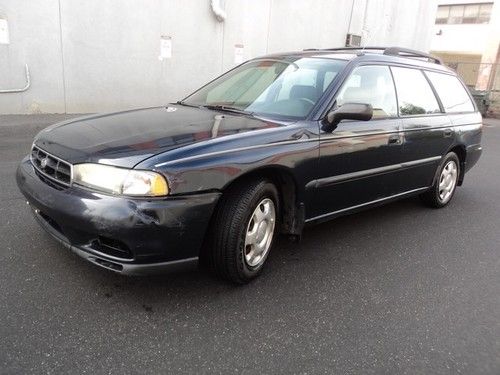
451,92
415,96
371,85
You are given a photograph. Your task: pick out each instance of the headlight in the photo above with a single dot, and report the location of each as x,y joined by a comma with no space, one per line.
120,180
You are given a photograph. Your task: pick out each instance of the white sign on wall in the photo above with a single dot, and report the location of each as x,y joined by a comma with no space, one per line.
165,47
238,53
4,31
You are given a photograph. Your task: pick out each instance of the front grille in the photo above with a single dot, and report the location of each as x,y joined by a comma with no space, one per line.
48,181
51,167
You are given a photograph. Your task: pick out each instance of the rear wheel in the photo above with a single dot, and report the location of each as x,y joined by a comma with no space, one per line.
445,182
244,229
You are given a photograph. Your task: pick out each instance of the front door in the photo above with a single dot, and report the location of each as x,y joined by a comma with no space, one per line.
359,160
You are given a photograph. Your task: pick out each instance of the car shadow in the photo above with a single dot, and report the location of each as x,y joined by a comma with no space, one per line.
323,241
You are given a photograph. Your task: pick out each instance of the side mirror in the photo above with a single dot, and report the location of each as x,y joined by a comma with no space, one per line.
347,111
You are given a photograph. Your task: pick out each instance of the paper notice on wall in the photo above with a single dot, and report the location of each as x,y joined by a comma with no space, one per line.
4,31
238,53
165,47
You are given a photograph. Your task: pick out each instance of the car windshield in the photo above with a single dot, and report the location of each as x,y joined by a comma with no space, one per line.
283,88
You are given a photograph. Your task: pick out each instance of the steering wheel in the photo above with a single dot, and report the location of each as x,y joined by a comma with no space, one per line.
307,100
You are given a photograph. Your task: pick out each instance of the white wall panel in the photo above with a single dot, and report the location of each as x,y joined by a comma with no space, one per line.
103,55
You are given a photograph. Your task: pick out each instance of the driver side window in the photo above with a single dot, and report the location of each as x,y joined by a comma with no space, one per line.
370,85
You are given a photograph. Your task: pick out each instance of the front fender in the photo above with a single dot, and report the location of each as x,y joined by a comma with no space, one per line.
216,170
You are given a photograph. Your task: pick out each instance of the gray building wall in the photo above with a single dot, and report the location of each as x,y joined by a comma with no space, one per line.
102,55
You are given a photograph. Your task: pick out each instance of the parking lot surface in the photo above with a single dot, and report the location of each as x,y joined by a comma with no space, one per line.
397,289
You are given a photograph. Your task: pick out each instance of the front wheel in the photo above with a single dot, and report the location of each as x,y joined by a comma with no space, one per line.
445,182
244,229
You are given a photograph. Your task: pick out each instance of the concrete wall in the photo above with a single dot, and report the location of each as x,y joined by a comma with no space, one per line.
460,39
102,55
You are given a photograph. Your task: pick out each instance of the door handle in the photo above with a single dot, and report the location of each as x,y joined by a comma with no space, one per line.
394,139
448,132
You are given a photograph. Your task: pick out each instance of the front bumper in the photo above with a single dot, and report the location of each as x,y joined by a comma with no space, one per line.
125,235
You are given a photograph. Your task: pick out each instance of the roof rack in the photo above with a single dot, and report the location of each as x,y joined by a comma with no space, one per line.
390,51
405,52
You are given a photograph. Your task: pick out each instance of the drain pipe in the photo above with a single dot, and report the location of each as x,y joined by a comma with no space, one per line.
218,11
26,87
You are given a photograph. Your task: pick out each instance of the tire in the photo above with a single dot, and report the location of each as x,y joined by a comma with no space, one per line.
445,182
230,257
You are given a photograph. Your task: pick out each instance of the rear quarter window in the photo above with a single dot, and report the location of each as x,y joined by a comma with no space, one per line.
451,92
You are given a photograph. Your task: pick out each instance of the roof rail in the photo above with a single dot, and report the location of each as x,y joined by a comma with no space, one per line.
389,51
346,49
405,52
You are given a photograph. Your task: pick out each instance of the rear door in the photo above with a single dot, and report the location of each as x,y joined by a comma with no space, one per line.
457,104
358,159
427,130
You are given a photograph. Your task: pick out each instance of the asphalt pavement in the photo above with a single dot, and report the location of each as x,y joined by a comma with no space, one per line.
400,289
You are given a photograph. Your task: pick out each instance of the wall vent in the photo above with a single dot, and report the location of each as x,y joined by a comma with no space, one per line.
353,40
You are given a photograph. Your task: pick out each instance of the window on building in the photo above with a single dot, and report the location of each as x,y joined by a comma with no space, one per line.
415,96
485,13
451,92
469,13
443,13
456,14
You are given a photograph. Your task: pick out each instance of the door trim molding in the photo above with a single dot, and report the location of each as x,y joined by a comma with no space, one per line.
321,182
347,209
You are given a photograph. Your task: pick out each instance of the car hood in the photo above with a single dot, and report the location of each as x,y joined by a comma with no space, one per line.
127,138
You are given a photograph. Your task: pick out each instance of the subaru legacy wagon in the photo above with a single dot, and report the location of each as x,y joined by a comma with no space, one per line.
276,143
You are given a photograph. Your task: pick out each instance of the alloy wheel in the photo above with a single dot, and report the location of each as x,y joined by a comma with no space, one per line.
260,231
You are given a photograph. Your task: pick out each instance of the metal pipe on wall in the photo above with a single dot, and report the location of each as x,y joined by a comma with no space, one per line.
218,11
26,87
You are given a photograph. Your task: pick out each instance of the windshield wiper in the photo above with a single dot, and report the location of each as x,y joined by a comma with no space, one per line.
219,107
180,102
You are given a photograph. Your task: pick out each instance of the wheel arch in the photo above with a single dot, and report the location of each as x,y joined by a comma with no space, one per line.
292,210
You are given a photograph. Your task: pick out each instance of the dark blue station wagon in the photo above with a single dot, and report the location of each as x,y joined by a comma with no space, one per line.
276,143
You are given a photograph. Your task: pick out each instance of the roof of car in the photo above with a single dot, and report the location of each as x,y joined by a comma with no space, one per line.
379,54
